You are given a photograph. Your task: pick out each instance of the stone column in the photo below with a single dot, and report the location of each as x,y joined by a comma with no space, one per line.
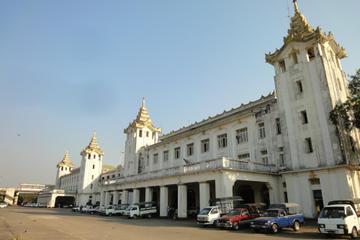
107,199
223,186
136,196
116,198
204,190
273,193
148,194
164,201
102,195
125,197
182,201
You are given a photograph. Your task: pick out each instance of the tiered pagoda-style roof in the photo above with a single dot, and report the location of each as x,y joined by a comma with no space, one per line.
301,31
66,161
143,120
92,147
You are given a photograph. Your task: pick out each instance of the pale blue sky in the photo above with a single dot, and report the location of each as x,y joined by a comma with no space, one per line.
69,67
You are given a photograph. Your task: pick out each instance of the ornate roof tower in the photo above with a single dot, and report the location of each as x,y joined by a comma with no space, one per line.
66,161
301,31
92,147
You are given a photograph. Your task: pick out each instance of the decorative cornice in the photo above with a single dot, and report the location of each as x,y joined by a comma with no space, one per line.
200,126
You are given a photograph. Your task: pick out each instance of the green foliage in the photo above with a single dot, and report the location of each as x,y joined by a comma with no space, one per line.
347,114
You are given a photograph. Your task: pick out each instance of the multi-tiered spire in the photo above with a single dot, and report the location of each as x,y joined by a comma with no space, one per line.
301,31
66,161
143,119
93,147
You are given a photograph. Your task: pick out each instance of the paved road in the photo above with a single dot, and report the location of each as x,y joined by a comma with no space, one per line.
38,224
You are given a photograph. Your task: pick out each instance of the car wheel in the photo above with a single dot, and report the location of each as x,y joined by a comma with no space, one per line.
149,215
256,230
110,214
354,233
236,226
274,228
135,216
296,226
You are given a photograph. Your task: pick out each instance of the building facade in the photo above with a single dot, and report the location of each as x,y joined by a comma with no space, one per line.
279,148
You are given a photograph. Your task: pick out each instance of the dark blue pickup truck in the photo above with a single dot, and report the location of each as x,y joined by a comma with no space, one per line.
275,219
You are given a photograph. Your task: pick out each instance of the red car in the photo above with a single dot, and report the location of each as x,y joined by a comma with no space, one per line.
235,218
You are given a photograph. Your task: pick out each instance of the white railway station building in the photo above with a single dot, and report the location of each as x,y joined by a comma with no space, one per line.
279,148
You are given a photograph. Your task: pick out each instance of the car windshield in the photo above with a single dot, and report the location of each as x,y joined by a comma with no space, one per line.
205,211
234,212
271,213
332,212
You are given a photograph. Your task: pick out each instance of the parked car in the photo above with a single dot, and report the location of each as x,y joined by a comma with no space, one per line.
339,218
146,209
3,205
115,210
235,218
208,216
254,208
87,209
76,209
275,219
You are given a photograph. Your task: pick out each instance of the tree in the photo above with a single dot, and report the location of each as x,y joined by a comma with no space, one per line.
347,114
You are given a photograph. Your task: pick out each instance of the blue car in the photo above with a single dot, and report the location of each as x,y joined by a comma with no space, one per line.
275,219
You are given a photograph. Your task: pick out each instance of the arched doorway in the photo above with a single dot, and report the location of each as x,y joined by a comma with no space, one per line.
245,191
64,201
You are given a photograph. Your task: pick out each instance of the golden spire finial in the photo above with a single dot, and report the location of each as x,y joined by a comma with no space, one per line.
143,102
296,6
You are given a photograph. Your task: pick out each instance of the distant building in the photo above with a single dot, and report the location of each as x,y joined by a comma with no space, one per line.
24,192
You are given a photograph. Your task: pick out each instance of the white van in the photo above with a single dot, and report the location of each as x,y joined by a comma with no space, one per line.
339,218
208,215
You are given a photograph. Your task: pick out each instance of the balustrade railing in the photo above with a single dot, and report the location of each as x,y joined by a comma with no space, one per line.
219,163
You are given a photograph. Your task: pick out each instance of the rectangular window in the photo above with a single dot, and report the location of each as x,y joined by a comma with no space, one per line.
177,153
299,86
92,177
242,135
309,145
262,133
222,141
264,157
311,53
294,58
278,126
205,144
281,157
147,133
91,186
93,166
244,156
140,133
304,117
155,158
190,149
286,197
166,156
282,66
